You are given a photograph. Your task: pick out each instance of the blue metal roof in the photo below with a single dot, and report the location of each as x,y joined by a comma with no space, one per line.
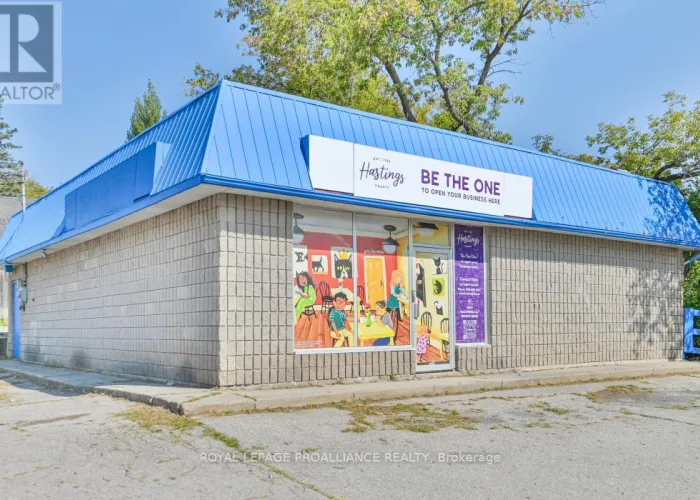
250,138
186,131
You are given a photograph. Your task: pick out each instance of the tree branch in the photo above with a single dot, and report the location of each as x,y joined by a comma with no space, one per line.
665,168
398,88
505,35
681,175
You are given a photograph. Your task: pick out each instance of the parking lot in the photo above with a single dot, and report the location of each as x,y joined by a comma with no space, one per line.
603,440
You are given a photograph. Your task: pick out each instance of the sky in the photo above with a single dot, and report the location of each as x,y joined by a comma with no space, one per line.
604,68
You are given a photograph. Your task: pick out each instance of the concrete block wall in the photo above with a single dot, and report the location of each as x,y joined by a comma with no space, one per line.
560,299
257,327
141,300
202,294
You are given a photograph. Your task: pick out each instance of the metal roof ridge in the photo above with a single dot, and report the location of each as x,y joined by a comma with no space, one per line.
116,150
436,129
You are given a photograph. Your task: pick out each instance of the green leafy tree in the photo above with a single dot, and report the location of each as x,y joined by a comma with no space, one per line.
10,170
545,144
429,61
148,111
666,148
35,190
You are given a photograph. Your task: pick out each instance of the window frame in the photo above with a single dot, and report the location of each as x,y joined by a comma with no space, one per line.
357,348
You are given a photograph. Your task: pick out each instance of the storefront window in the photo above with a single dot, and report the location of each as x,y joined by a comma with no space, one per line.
382,284
428,233
324,286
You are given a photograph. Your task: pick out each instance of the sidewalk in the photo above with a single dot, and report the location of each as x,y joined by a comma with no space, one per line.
194,401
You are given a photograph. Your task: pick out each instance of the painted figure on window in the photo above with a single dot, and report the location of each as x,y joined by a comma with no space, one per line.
304,293
340,328
342,262
420,284
397,292
422,339
438,307
383,314
317,264
439,269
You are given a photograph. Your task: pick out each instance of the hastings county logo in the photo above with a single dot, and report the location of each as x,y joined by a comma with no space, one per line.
379,170
468,240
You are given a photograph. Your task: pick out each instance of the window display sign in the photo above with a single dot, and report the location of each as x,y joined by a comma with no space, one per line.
470,289
389,175
349,283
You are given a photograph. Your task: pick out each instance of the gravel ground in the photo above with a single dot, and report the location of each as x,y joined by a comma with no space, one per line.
604,440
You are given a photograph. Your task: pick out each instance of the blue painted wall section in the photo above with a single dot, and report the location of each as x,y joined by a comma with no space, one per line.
691,331
249,138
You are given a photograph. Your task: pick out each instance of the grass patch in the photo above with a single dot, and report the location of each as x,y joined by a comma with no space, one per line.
155,419
542,405
233,443
504,427
677,407
205,396
657,417
540,423
616,391
229,441
416,417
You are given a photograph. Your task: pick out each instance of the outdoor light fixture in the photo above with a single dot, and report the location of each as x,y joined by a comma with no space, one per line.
44,254
297,232
390,245
425,229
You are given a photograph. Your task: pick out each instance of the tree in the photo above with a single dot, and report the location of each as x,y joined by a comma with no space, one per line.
147,112
10,170
545,144
34,190
667,149
428,61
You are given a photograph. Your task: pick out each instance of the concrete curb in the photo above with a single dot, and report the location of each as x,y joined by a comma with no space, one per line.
136,397
190,402
264,400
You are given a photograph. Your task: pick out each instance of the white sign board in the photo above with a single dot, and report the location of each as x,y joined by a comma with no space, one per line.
388,175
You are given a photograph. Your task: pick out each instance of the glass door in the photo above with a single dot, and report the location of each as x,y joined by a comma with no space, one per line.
431,309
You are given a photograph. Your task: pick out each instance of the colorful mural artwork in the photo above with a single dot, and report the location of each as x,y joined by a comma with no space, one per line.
432,308
431,275
350,295
383,264
323,279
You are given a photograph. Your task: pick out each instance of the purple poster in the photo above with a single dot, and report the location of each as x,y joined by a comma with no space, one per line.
469,285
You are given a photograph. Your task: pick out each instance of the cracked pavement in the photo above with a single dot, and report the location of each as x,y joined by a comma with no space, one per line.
599,440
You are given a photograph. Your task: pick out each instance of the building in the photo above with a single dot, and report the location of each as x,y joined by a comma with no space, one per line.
8,206
253,237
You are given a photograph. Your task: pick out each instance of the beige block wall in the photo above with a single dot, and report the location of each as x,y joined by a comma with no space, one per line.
559,299
257,341
202,294
141,300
